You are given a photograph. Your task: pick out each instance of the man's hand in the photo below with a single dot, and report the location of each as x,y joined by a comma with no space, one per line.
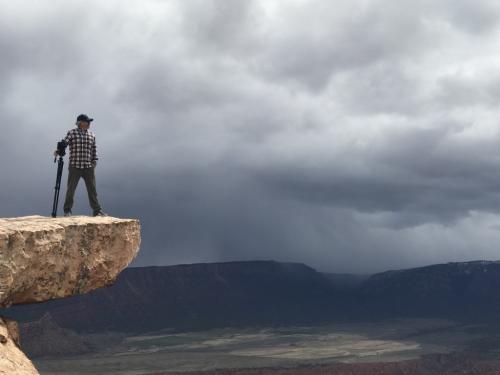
56,153
94,163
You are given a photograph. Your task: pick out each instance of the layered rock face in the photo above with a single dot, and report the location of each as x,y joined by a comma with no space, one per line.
44,258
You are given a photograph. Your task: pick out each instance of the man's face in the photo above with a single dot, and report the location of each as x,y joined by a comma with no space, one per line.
84,125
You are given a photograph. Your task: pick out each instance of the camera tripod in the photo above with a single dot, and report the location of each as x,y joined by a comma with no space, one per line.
60,164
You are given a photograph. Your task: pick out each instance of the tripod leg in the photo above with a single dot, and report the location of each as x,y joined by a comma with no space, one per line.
54,204
57,199
58,186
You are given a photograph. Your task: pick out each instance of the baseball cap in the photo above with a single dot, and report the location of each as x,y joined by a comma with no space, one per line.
85,118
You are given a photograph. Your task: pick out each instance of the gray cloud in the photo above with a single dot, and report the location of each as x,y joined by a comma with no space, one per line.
351,138
473,17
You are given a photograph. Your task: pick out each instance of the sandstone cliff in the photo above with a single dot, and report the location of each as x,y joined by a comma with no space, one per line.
44,258
12,359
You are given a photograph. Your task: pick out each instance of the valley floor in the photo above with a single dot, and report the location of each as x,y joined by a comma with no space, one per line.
287,347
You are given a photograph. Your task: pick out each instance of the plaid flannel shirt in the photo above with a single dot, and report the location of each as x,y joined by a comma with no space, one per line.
82,148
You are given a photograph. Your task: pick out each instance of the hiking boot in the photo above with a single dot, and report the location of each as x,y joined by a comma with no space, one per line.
100,213
67,213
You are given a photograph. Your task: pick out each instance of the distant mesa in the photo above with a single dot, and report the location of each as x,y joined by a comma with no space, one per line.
268,293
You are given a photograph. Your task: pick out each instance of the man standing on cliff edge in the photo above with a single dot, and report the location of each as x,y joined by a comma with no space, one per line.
82,163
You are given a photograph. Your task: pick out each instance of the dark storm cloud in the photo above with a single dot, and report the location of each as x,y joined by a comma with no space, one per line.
348,136
422,176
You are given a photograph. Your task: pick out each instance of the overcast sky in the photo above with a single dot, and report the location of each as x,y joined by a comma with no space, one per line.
353,136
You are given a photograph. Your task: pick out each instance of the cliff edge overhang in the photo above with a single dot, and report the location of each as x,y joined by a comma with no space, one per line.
44,258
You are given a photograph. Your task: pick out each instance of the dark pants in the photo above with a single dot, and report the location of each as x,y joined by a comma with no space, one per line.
88,175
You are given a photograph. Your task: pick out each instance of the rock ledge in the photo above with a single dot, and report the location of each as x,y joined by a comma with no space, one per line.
43,258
